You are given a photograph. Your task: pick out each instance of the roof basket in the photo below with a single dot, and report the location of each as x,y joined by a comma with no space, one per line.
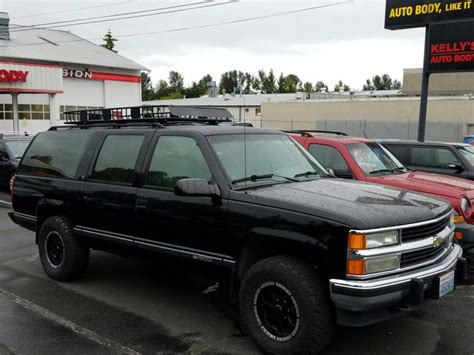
165,115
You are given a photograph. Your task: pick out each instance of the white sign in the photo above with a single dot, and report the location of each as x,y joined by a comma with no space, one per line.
32,78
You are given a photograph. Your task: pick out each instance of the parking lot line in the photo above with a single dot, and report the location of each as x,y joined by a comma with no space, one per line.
89,334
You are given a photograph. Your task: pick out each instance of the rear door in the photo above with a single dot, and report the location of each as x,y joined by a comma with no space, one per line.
108,198
435,159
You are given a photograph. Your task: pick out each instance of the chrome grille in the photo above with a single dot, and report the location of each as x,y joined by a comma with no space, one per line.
420,256
422,232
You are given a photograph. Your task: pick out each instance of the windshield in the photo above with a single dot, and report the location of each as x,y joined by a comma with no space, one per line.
373,159
18,147
468,153
258,159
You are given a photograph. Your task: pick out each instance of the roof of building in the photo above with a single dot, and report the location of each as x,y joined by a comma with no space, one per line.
192,111
228,100
31,43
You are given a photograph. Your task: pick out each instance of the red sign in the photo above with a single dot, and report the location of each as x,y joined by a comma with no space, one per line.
13,76
93,75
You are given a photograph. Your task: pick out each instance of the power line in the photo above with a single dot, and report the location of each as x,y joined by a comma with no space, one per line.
134,16
71,10
119,14
248,19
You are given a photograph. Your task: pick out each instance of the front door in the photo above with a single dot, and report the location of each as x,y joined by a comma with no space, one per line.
435,160
188,227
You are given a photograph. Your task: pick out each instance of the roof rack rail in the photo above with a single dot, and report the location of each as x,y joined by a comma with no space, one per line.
163,115
307,132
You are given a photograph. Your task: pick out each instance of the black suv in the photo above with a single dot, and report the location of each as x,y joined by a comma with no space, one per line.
456,159
12,148
300,248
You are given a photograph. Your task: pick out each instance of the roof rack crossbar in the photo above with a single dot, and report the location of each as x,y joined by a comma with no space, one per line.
308,132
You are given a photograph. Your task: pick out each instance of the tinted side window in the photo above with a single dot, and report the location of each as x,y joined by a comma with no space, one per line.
329,157
176,158
117,159
3,150
399,152
422,156
445,157
56,153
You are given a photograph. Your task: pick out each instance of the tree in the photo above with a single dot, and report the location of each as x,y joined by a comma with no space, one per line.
162,89
320,86
308,87
198,89
109,41
231,80
383,82
340,85
281,83
147,87
176,81
268,81
291,83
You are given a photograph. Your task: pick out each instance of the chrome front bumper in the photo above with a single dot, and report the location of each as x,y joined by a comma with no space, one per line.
361,302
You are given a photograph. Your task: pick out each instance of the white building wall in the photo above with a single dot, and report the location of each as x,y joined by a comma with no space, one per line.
119,94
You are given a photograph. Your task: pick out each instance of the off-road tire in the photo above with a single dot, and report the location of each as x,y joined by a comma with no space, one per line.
308,291
75,256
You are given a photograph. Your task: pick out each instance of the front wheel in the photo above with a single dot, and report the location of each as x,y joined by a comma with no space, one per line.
286,306
63,257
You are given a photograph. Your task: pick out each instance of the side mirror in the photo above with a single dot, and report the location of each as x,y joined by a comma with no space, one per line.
331,172
455,166
196,188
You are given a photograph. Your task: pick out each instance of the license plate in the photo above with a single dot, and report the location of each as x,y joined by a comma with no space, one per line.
446,284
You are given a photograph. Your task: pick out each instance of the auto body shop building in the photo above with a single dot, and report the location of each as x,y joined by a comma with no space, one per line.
44,73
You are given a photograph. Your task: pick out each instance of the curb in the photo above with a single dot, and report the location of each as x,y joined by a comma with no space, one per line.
5,204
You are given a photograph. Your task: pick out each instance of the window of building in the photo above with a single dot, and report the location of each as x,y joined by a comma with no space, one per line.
176,158
68,108
117,159
55,153
258,111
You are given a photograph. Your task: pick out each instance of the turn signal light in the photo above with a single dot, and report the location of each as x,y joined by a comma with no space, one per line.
357,241
458,235
355,267
459,219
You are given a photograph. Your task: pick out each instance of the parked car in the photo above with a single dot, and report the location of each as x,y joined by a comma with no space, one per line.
12,148
456,159
366,160
300,248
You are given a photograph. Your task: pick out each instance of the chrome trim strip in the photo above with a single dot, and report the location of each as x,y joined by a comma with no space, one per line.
402,248
446,265
28,217
405,226
161,247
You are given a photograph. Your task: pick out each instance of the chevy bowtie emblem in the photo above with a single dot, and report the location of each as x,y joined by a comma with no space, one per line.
437,242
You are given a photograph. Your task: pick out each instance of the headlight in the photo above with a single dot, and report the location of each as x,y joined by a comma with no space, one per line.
465,206
372,266
359,241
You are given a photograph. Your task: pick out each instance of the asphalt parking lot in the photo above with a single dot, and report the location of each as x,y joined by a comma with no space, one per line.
123,306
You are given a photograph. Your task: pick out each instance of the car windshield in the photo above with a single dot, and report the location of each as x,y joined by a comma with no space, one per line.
260,159
18,147
468,153
374,159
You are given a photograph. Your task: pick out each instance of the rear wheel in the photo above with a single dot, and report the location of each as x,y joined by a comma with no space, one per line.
286,306
63,257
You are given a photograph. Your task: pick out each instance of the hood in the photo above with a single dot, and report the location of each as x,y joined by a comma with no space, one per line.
440,185
354,204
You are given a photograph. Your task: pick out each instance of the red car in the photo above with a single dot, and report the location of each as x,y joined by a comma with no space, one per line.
365,160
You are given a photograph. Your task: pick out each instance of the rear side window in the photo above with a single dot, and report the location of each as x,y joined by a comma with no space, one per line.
329,157
422,156
117,159
176,158
56,154
399,152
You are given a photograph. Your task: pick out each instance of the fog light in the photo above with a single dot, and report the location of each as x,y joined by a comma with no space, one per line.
382,264
458,235
358,267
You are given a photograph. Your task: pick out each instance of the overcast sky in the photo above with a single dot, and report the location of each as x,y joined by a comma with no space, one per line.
345,42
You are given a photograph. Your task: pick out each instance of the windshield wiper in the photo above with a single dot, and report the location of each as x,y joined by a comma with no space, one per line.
262,177
381,171
307,174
